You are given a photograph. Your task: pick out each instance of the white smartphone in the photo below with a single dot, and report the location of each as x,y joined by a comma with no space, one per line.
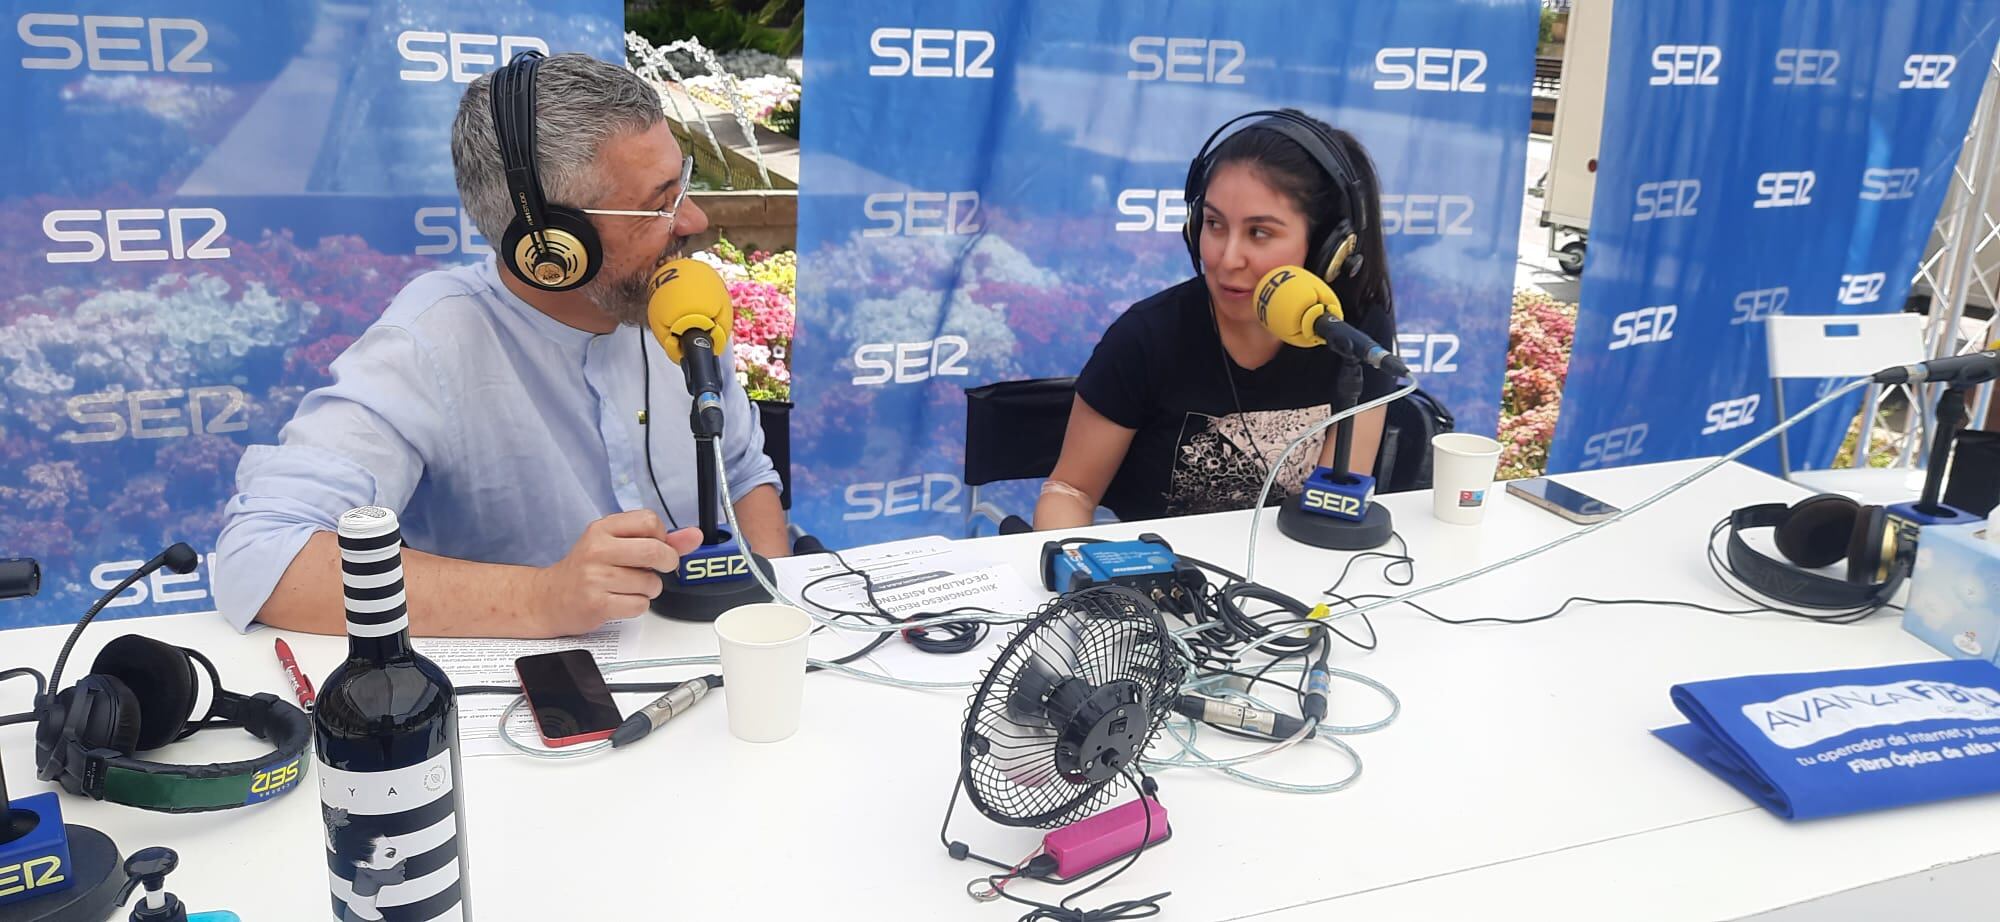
1574,505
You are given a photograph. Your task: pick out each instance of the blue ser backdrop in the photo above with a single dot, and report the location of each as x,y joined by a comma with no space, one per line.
987,186
208,200
1757,158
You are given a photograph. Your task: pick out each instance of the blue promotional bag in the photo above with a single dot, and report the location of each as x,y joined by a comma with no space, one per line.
1815,744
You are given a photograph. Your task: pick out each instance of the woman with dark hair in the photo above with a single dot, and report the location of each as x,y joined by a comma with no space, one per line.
1188,399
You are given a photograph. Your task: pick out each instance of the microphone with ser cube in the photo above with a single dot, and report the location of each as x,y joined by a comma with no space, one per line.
1335,507
690,314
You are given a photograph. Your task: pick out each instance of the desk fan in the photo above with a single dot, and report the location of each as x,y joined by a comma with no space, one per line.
1072,700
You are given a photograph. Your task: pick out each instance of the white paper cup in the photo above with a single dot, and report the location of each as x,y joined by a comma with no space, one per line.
1462,468
763,669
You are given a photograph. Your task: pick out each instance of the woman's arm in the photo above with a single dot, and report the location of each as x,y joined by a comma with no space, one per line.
1366,445
1093,448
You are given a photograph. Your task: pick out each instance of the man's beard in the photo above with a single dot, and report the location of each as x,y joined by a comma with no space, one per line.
625,299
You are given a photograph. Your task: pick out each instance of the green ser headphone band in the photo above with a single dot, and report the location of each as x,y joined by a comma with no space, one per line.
170,788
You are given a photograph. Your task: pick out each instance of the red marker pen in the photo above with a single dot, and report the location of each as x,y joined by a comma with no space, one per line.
301,686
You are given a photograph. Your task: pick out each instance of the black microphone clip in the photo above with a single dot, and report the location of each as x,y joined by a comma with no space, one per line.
20,577
1964,370
704,382
1357,346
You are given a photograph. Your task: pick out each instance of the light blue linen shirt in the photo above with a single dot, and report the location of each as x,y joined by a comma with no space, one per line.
496,432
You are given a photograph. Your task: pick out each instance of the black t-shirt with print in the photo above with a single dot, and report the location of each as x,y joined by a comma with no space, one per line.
1159,370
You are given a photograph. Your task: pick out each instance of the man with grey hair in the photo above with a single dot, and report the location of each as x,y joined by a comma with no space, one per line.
504,422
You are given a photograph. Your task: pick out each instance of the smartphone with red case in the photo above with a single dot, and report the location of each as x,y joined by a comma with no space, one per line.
567,694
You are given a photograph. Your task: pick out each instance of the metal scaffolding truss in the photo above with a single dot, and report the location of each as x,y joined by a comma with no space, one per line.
1964,259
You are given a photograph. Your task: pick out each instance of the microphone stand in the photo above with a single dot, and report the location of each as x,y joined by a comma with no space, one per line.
1333,532
714,577
1927,510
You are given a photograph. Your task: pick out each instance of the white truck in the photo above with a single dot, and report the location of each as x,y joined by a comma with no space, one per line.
1569,187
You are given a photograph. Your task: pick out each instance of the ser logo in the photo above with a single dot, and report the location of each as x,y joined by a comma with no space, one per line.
114,43
1685,65
32,874
916,493
1881,184
1724,415
124,229
909,363
724,566
449,230
1806,67
158,586
1670,198
1185,60
1645,325
1152,210
1785,189
921,214
1423,215
1754,306
461,56
1862,289
1927,71
271,782
1437,70
1337,503
1428,352
1621,444
156,414
960,53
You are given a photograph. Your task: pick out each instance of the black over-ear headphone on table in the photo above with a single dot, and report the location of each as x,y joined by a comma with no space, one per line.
140,696
1816,532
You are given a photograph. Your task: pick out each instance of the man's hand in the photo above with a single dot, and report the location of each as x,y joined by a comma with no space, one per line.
613,571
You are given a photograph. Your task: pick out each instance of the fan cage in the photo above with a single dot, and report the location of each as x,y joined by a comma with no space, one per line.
1103,634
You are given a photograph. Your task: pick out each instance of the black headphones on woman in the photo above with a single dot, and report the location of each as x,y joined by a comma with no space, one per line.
552,247
1335,254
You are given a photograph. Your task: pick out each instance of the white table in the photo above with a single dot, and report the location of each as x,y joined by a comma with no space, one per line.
1881,486
1520,782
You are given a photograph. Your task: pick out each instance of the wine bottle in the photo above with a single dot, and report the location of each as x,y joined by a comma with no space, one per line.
385,732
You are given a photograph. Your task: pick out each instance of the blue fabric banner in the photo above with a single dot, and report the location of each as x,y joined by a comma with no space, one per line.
208,201
1757,159
1815,744
985,187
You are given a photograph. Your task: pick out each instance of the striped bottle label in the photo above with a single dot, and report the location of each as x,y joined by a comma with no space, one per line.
392,849
371,572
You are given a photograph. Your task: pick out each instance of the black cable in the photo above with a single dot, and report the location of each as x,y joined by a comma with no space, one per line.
1404,560
41,684
1715,563
1242,419
646,427
1572,600
958,636
41,689
1212,568
1249,628
1719,566
654,687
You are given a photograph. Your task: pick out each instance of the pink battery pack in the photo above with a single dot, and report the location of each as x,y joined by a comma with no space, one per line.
1091,843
